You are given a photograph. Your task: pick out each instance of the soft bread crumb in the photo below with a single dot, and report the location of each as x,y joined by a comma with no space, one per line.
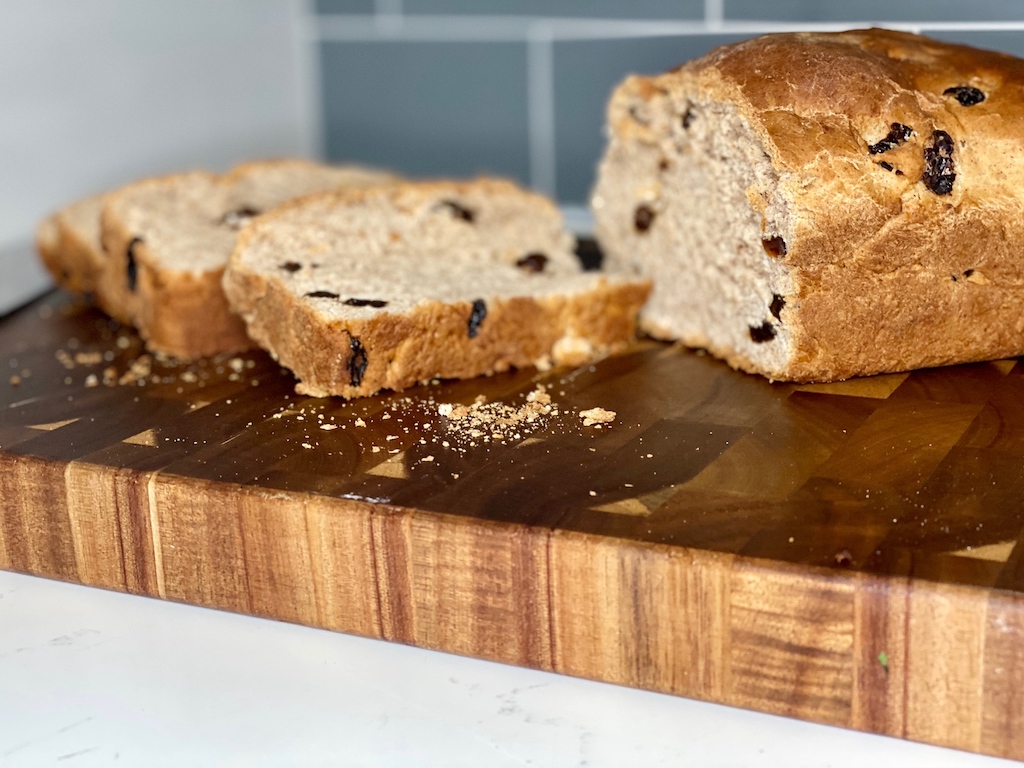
596,416
572,350
539,395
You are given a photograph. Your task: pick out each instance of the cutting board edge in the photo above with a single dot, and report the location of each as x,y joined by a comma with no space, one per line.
915,659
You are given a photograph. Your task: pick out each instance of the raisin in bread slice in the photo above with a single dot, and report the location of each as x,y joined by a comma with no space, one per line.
69,246
818,206
365,290
169,239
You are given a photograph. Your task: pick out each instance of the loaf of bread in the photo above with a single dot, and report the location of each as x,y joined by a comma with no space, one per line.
167,241
813,207
363,290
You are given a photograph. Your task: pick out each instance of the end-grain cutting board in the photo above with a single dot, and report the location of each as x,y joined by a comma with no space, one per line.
847,554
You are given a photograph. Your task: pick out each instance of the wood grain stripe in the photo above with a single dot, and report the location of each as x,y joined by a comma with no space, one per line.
945,642
791,638
95,532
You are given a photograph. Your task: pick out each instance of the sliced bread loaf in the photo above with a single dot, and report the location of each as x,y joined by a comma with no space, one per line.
363,290
818,206
69,245
167,241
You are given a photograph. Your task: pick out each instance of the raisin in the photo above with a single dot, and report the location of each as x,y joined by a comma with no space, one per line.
291,266
887,166
375,303
664,165
688,117
459,211
476,317
357,362
322,295
533,262
759,334
968,273
133,267
643,218
777,305
775,246
240,217
965,94
939,171
898,133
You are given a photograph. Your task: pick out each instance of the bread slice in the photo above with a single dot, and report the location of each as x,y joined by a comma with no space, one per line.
818,206
69,245
168,240
364,290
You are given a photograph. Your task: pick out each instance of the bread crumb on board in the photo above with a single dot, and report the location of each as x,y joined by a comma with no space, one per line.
459,427
596,417
496,421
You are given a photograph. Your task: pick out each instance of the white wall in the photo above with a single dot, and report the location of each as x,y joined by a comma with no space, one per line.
97,92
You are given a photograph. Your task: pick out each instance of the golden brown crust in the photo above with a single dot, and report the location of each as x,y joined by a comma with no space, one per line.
151,297
52,253
893,268
68,255
182,314
431,341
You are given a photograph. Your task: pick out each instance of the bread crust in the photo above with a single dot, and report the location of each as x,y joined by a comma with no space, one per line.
431,341
891,270
179,313
71,255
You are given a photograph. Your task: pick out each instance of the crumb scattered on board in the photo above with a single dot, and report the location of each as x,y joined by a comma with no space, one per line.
409,421
453,427
466,425
142,369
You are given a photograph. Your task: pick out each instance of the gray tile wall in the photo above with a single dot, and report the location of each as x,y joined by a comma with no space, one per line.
427,109
461,87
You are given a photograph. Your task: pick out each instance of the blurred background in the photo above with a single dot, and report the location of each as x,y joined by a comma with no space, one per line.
94,93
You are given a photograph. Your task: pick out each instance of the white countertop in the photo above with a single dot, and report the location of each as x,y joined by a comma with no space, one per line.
94,678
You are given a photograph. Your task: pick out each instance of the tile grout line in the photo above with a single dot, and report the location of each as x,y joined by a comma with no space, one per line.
714,13
466,28
388,7
540,108
388,16
311,95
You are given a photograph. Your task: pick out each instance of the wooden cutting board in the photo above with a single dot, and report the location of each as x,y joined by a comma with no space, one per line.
847,554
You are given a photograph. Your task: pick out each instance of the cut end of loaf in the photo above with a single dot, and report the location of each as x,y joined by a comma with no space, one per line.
687,196
361,291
